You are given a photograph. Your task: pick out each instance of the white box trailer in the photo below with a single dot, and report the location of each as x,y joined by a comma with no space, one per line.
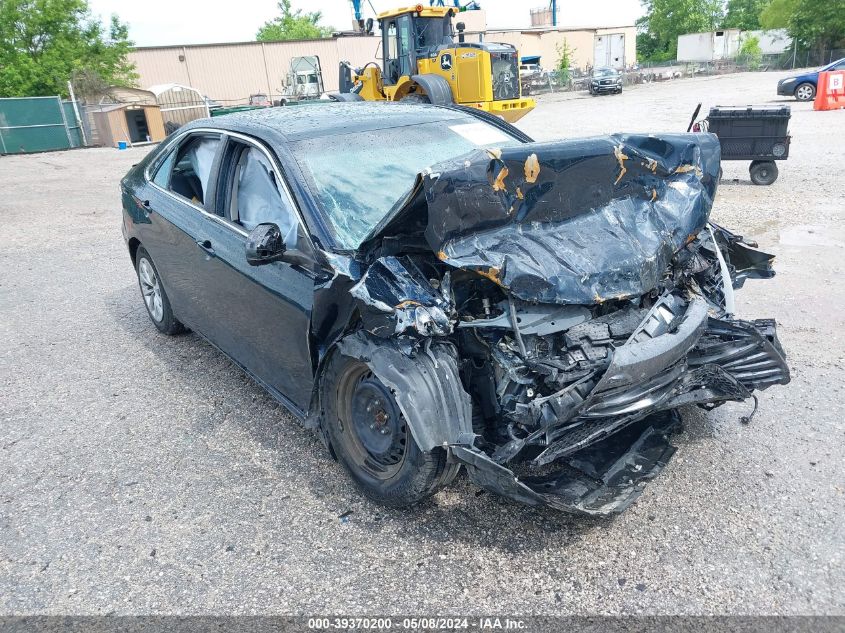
708,47
609,51
773,41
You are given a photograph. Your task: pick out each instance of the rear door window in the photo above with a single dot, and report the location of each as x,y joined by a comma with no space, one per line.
162,174
192,163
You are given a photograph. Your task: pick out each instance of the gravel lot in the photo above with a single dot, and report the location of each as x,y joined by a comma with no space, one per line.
145,474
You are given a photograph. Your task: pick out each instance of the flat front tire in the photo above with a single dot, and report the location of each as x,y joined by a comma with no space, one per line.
371,438
153,294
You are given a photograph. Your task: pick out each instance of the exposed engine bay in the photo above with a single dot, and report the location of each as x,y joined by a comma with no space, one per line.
543,310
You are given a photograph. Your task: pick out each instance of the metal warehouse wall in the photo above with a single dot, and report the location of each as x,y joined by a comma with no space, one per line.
230,73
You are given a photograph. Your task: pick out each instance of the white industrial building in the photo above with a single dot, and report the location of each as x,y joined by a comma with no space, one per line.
726,43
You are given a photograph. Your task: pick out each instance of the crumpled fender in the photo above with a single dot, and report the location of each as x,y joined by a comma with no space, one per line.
426,384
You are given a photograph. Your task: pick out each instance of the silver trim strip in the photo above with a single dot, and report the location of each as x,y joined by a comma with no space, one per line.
20,127
221,220
201,106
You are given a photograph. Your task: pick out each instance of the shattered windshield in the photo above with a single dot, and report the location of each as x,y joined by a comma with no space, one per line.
357,178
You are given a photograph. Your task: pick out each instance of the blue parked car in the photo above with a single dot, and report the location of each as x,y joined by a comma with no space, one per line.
803,87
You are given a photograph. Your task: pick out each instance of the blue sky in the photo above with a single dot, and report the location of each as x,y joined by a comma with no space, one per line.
158,22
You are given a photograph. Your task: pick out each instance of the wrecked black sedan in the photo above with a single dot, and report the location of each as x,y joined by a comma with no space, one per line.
429,289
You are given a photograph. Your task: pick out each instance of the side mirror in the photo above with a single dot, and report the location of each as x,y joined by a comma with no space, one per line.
264,245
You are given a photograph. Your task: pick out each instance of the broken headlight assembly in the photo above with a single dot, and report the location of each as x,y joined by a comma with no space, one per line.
431,321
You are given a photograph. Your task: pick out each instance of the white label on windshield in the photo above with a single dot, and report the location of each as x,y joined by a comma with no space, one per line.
480,133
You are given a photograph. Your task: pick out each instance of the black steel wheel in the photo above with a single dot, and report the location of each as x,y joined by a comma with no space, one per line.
374,427
371,438
763,172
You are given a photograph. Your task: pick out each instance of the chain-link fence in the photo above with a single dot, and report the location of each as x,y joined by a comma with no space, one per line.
543,81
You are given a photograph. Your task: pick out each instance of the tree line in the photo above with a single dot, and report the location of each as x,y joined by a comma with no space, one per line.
813,24
46,43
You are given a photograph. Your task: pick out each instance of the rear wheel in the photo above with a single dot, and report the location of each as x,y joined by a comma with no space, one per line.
805,92
371,438
155,298
763,172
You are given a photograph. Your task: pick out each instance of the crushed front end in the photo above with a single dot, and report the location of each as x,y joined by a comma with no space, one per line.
583,296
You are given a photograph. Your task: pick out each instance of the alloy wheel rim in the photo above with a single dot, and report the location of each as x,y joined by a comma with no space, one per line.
804,92
151,290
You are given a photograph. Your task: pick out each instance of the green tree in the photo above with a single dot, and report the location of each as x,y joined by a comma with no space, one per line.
44,42
815,24
744,14
750,52
648,46
564,62
777,14
665,20
293,25
818,24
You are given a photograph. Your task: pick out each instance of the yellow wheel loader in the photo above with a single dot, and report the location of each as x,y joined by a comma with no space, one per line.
422,63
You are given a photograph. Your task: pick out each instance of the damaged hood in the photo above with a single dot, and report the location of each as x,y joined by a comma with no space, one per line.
567,222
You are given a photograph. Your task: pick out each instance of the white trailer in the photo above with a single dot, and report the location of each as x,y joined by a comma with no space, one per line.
708,47
609,51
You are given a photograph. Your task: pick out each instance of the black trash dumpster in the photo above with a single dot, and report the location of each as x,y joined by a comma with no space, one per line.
758,134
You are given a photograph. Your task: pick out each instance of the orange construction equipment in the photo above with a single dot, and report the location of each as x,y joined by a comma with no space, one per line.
830,93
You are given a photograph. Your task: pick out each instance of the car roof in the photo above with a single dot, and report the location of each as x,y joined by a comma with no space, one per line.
298,122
